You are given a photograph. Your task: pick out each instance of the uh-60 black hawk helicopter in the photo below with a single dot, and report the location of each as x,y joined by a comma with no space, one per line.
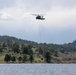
39,17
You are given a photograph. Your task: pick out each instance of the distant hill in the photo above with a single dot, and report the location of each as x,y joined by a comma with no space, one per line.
14,39
70,47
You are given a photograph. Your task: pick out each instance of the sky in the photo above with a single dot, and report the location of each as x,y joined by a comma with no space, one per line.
59,27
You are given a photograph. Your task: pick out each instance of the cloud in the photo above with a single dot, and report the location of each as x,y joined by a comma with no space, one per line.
5,16
59,25
45,5
6,3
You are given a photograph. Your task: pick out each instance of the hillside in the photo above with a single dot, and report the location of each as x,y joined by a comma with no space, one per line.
20,49
70,47
11,39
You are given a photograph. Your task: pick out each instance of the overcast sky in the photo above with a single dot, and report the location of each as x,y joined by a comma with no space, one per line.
59,26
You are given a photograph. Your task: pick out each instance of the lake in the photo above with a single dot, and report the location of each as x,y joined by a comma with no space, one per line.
37,69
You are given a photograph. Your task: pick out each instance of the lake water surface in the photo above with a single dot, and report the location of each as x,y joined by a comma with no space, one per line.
37,69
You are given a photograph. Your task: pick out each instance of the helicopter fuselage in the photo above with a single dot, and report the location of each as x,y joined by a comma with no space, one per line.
40,17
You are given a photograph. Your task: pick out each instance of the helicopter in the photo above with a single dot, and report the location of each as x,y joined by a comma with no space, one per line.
39,17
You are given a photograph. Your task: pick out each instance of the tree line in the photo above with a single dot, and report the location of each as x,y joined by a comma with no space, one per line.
22,53
21,59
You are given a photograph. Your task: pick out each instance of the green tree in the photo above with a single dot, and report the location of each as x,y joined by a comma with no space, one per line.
9,42
20,59
25,50
30,49
24,59
29,46
1,49
4,45
31,58
16,48
56,53
40,50
13,59
47,57
22,46
7,58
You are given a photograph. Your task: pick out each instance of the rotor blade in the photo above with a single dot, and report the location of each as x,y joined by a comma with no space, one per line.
41,14
35,14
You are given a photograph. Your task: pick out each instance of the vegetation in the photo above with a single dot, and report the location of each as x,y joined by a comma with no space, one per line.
13,50
47,57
